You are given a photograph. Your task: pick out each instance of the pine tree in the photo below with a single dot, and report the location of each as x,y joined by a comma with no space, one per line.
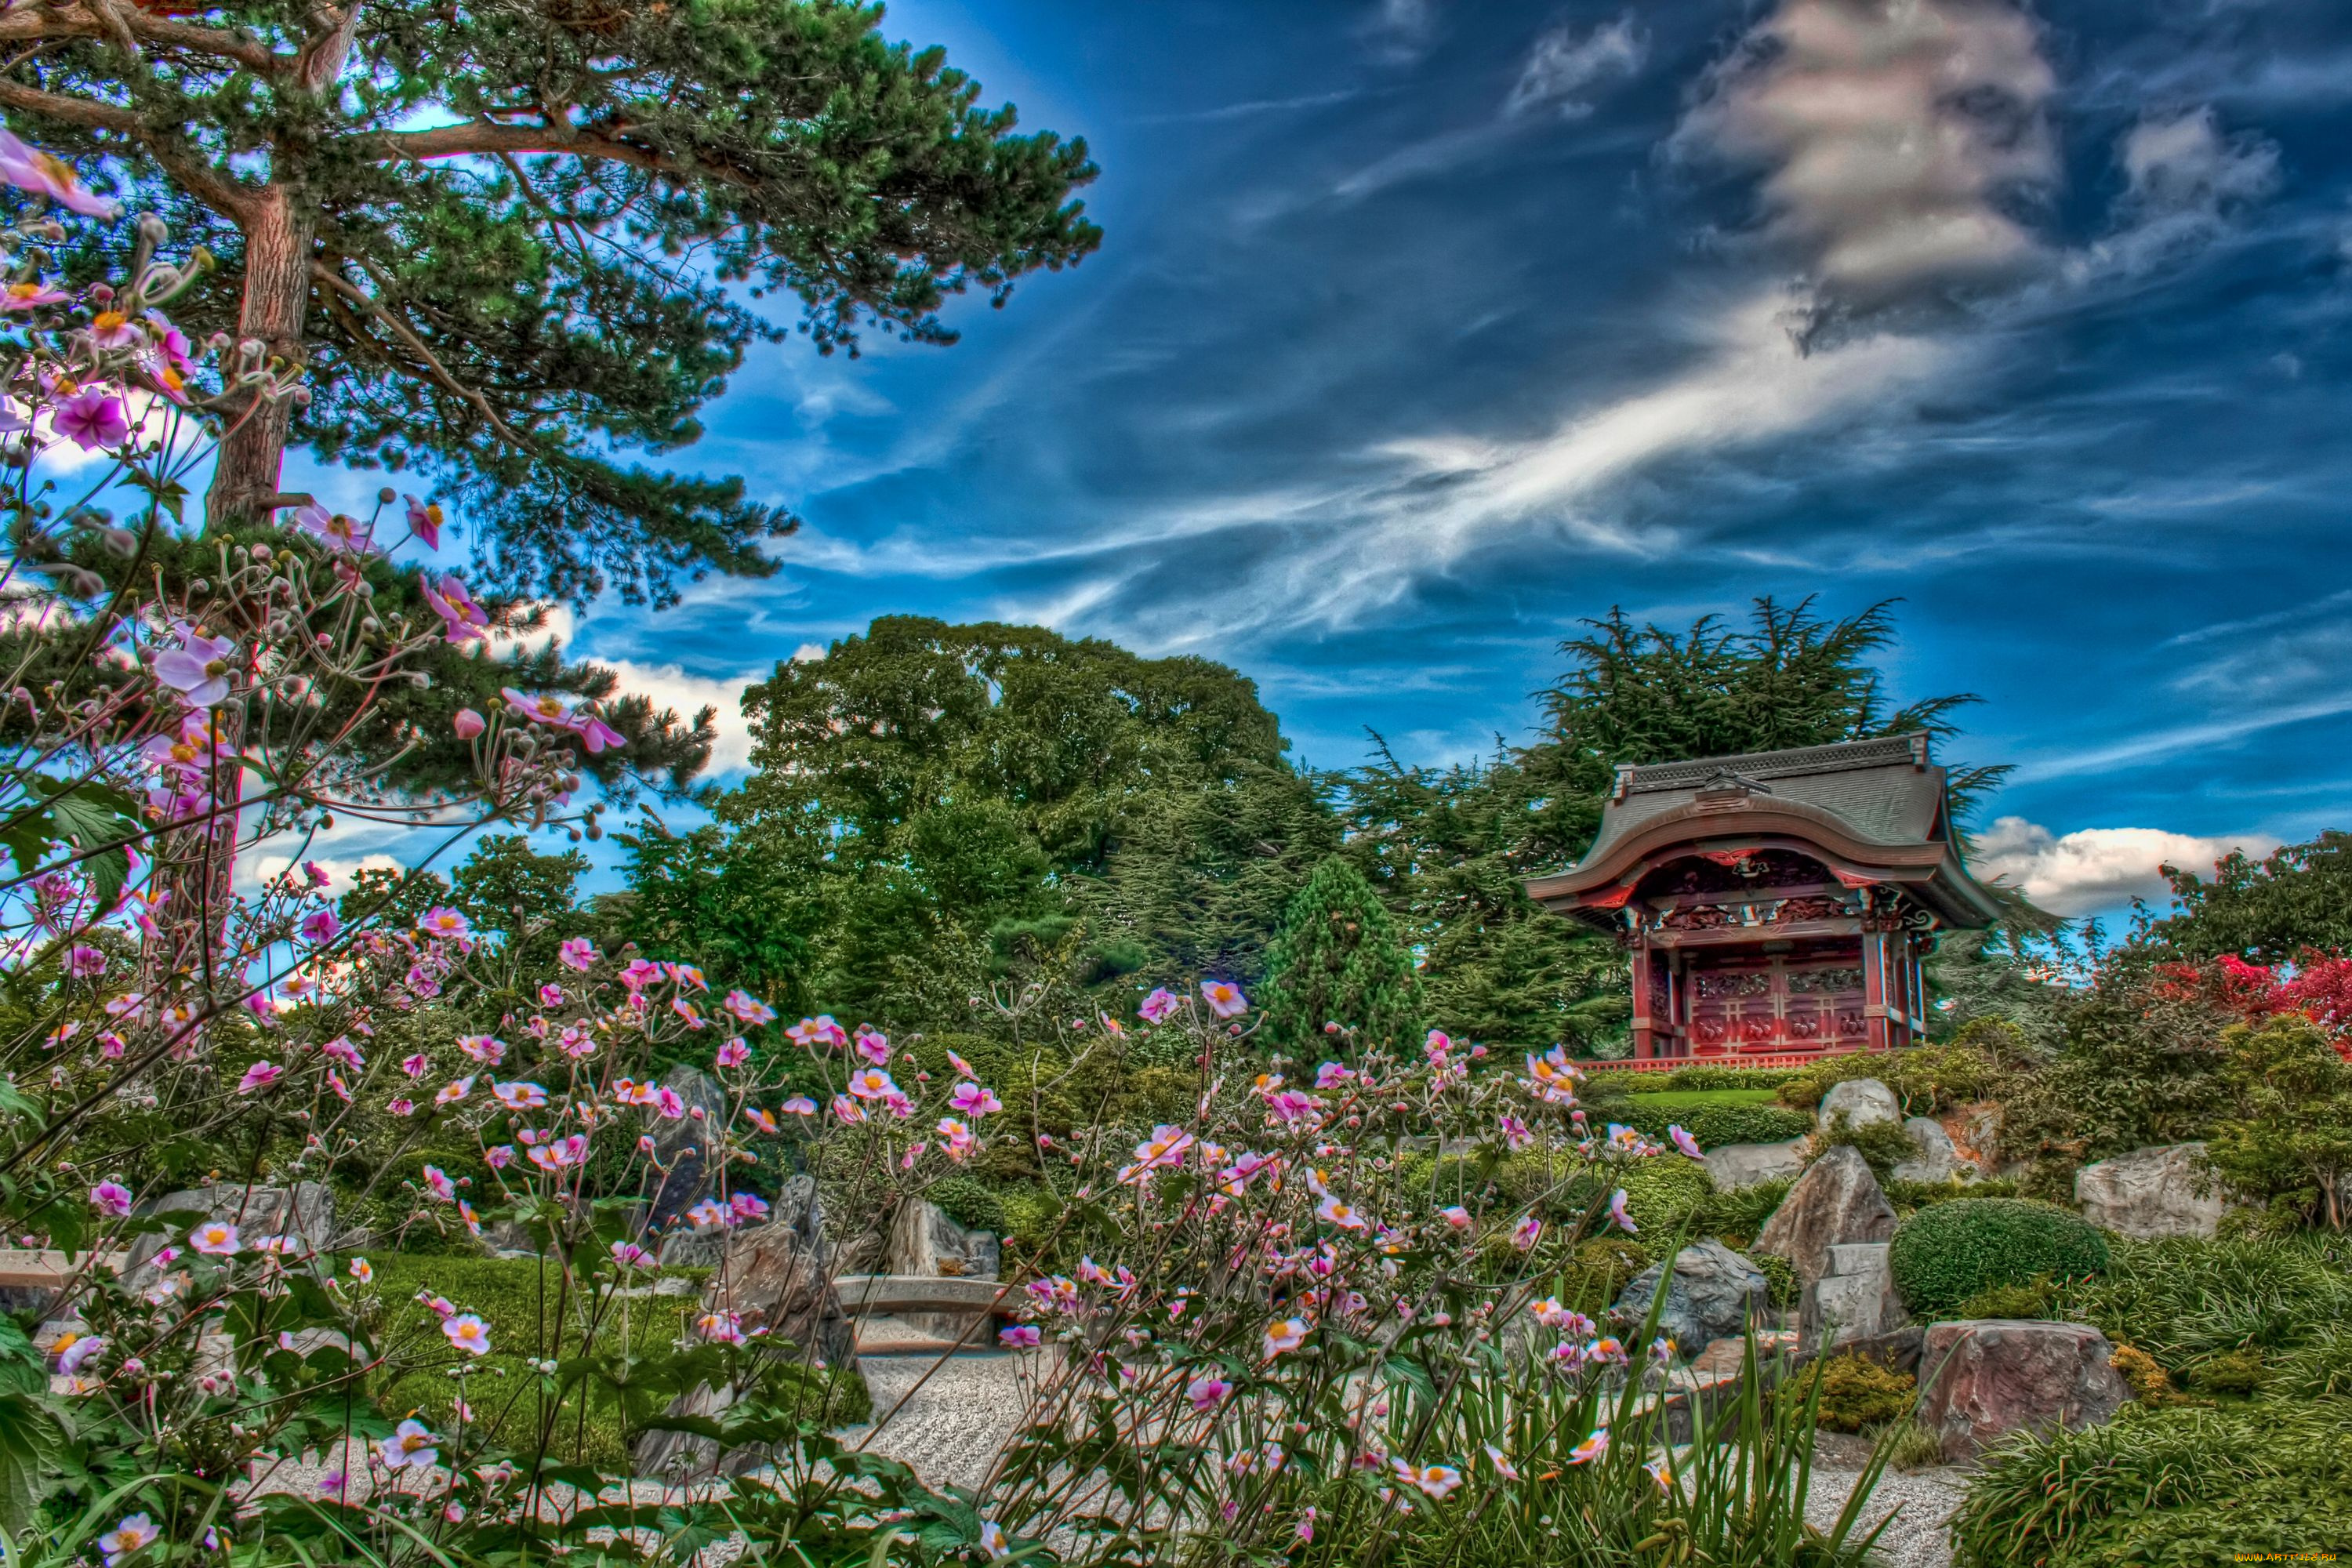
1337,959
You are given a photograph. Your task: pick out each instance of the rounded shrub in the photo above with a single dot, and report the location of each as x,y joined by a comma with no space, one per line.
1945,1255
1716,1125
1856,1393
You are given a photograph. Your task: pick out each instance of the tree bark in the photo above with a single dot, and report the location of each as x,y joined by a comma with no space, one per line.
279,237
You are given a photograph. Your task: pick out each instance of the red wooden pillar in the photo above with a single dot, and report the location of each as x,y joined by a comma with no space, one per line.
1642,1024
1874,990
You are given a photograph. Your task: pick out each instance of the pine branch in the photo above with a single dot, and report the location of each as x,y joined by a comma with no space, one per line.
197,178
35,24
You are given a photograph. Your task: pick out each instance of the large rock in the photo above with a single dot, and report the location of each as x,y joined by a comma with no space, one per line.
925,1241
1864,1101
682,1146
1736,1165
1856,1299
1836,1202
1712,1294
2152,1193
1983,1378
304,1212
1938,1159
777,1277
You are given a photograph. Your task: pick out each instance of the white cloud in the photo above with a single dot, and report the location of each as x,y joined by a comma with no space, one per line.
1900,136
1562,66
669,686
2096,869
2184,184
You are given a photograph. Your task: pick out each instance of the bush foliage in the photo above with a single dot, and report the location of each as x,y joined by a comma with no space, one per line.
1945,1255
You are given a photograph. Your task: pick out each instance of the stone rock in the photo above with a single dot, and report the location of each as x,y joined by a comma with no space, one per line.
2152,1193
1981,1379
682,1146
305,1211
1712,1294
924,1241
778,1276
1836,1203
1939,1160
1856,1299
1736,1165
1864,1101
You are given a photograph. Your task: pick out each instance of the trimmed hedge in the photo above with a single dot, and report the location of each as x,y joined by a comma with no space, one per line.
1715,1125
1945,1255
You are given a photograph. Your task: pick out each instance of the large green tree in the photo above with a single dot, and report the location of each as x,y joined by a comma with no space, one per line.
513,240
974,799
2268,910
1336,959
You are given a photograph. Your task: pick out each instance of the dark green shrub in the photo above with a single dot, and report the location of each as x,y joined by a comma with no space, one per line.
1736,1216
1883,1145
1909,1197
2184,1300
1781,1280
2028,1300
2236,1371
1943,1256
970,1202
1856,1392
1600,1271
2164,1483
1715,1125
1698,1076
2321,1365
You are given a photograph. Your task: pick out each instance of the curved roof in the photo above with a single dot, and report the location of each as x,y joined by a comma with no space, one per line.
1873,809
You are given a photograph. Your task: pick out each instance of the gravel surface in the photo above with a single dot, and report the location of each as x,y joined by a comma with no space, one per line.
1926,1501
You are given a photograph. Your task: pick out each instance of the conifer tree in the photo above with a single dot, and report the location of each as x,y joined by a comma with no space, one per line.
1338,960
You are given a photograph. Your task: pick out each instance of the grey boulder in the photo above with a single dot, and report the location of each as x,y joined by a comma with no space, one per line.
1864,1101
1713,1295
1732,1166
1856,1299
1938,1159
2152,1193
303,1213
1836,1202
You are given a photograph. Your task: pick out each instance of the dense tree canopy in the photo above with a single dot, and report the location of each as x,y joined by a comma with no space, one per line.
1336,959
511,237
983,803
2269,910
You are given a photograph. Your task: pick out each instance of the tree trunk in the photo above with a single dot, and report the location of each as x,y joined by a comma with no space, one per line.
278,242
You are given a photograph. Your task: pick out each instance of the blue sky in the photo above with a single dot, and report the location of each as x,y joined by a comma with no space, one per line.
1421,331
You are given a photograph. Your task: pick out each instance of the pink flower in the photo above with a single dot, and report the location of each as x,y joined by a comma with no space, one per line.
872,1045
1617,1214
847,1110
1685,1142
473,1221
468,724
750,1207
321,927
1456,1216
488,1049
1207,1393
133,1531
720,1328
1331,1211
363,1270
1592,1448
1286,1335
31,297
400,1107
198,670
91,419
1225,998
29,169
500,1157
1527,1233
639,973
336,529
415,1066
596,735
684,1009
440,920
454,1090
734,1053
563,1153
411,1442
216,1238
437,1182
975,1100
258,1076
798,1105
524,1096
110,1197
1503,1467
1157,1006
1020,1336
461,618
84,962
1331,1074
872,1083
748,1010
821,1030
578,953
424,521
469,1333
629,1254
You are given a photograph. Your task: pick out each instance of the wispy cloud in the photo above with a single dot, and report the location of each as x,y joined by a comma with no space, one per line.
1563,64
2097,868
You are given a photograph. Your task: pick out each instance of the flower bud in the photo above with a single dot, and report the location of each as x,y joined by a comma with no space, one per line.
387,495
468,724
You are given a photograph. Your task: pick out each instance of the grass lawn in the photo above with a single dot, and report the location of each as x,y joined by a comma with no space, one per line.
589,1425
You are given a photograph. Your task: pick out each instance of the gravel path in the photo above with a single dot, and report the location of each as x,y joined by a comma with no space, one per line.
1927,1500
